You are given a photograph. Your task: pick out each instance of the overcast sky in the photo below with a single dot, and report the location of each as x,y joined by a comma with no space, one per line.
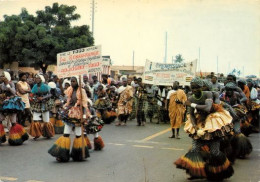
229,30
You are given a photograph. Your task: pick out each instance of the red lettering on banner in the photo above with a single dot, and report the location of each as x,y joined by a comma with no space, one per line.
181,75
75,68
83,55
62,59
93,65
162,75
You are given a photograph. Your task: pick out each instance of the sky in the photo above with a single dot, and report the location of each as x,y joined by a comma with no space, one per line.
207,30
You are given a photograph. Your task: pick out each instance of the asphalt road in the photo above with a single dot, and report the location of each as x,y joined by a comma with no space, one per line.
131,154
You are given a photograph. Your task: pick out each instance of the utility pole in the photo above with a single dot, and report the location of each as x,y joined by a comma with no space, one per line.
217,64
133,60
229,67
199,59
165,57
93,16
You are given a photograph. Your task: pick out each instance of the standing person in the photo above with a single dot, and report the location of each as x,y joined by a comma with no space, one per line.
94,126
85,79
23,90
105,79
177,98
206,127
241,145
134,108
57,100
215,85
41,106
253,106
30,79
163,114
141,98
242,84
46,78
72,118
104,106
151,101
95,86
10,105
124,103
242,96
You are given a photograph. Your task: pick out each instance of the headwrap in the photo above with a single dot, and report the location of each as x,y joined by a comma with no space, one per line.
77,78
7,75
197,81
249,80
69,93
52,85
242,81
230,85
41,77
208,84
64,82
124,79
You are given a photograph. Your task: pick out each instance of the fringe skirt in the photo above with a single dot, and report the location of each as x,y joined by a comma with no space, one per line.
61,149
17,135
2,134
216,125
76,152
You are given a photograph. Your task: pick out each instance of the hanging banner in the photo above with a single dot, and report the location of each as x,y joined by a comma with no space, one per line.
80,61
165,74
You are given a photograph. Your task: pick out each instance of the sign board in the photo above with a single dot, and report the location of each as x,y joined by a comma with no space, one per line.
80,61
165,74
106,61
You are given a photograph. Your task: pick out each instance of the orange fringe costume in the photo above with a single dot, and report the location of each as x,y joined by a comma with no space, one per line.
61,148
211,164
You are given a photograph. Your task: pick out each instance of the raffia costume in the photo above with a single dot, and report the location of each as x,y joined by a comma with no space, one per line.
58,100
104,108
41,111
241,145
211,163
10,105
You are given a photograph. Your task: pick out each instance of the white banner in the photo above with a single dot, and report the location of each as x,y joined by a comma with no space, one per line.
80,61
166,74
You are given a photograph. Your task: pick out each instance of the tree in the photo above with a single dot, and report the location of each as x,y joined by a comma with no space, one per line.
36,40
178,58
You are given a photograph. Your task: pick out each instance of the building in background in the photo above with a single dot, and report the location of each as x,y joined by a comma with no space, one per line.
130,71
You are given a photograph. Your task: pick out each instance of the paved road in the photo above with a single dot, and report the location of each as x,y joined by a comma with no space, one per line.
131,154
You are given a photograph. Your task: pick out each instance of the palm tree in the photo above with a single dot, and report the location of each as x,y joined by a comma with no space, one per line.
178,58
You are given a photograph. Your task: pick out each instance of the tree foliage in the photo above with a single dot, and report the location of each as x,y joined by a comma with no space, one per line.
178,58
32,40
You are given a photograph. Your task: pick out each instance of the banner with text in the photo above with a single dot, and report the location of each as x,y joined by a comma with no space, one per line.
80,61
165,74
